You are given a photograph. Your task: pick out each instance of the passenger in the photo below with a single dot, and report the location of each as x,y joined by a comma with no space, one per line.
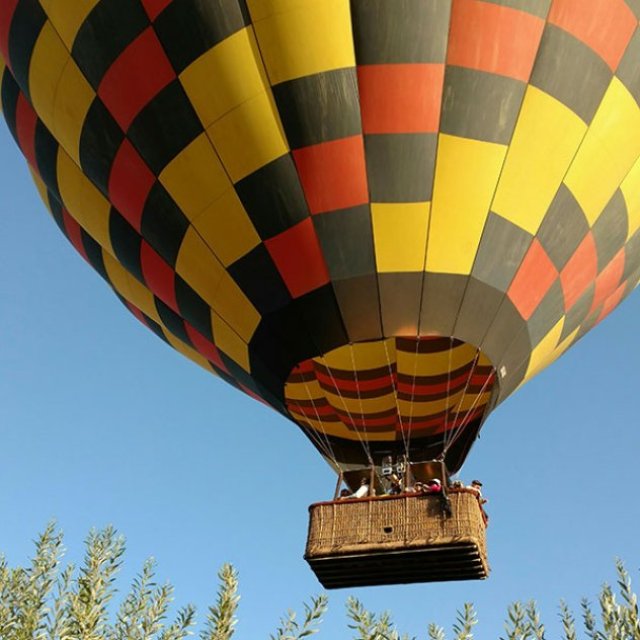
457,484
433,486
395,488
344,493
476,487
363,489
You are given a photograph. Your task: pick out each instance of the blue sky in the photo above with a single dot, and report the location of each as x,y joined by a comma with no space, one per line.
100,422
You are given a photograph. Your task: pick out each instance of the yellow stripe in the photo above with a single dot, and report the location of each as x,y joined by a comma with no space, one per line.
609,150
366,355
543,354
544,142
234,307
466,175
228,341
67,16
400,235
435,364
303,38
630,188
365,405
190,353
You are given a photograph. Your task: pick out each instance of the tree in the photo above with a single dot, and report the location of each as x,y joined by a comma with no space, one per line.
44,601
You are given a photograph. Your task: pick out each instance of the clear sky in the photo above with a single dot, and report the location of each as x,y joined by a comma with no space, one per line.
101,422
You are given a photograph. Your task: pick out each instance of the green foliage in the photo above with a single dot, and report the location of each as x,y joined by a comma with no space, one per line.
45,601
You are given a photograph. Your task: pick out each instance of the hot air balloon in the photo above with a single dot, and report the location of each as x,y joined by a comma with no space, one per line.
378,217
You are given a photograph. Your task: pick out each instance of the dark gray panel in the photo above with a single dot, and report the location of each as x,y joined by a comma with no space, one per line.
497,267
610,230
318,108
441,299
538,8
571,72
634,5
479,105
629,69
400,166
400,302
359,304
347,242
507,340
577,313
547,313
394,31
477,312
631,255
563,228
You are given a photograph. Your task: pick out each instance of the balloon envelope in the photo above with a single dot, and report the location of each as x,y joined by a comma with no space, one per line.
379,217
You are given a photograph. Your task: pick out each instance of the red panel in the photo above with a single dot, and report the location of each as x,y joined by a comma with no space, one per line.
205,347
532,281
611,303
137,313
400,98
580,271
155,7
129,183
333,174
159,276
609,280
26,120
604,25
135,78
299,258
7,9
74,233
493,38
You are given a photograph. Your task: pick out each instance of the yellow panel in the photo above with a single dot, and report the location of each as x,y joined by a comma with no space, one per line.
47,64
465,180
225,76
195,177
303,390
226,228
67,16
199,267
230,342
400,235
366,355
544,142
609,150
83,201
472,401
430,364
249,137
428,408
190,353
302,38
72,101
356,406
630,188
542,355
235,308
336,429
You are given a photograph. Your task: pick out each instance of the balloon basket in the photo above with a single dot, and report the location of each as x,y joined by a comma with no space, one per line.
397,540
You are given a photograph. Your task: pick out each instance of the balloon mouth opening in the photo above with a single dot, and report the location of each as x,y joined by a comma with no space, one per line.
428,395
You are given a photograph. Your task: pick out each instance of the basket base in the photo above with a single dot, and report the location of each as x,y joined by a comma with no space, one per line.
434,563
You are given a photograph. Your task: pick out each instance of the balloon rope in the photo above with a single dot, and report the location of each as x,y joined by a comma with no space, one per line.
413,393
446,413
395,395
364,444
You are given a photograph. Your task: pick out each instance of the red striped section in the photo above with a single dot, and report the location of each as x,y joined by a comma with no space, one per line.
7,9
609,280
606,26
154,8
580,271
74,233
26,121
611,303
205,347
158,275
493,38
400,98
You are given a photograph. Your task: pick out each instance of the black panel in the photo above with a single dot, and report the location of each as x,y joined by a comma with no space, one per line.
163,224
538,8
189,28
165,127
267,292
610,230
172,321
126,244
94,254
477,312
497,268
400,166
400,30
10,95
507,341
563,228
46,147
155,327
631,255
273,198
321,316
100,140
547,313
26,24
479,105
400,302
629,70
55,206
193,308
359,303
571,72
319,108
346,240
441,300
107,31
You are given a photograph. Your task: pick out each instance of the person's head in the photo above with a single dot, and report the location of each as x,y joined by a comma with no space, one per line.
364,481
345,492
476,483
434,482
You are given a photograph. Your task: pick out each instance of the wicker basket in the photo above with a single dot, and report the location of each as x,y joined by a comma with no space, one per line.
397,539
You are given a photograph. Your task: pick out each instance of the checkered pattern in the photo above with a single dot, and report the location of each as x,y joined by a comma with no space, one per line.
265,183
